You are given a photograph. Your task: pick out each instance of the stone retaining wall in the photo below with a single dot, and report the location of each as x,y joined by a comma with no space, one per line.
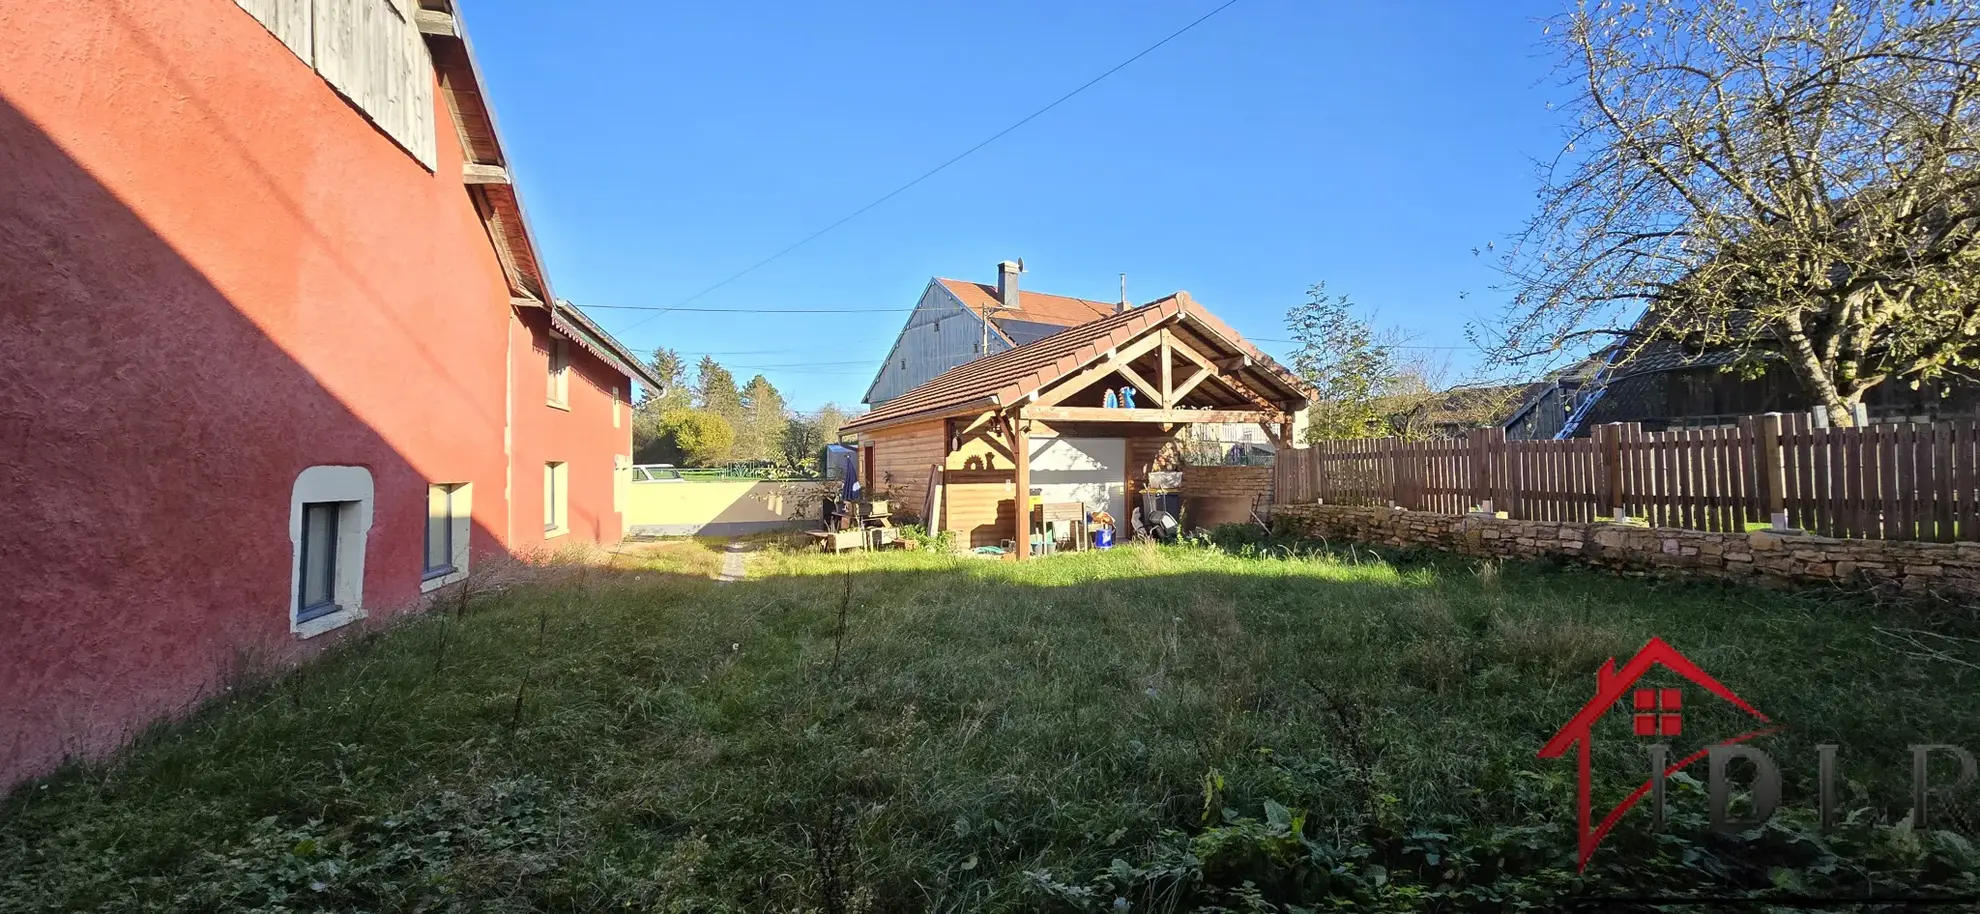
1781,560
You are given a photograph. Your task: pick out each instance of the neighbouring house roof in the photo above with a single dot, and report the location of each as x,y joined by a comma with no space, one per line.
492,188
1476,405
1007,377
1570,378
1033,307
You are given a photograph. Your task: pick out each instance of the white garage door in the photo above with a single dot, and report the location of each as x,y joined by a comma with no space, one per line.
1092,470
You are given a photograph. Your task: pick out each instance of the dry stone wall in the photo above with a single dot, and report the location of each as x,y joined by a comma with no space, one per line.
1949,570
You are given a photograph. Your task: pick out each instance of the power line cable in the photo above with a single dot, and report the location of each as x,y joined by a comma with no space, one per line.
1255,339
939,168
662,310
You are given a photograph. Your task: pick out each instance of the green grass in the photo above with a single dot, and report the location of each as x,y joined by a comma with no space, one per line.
1179,727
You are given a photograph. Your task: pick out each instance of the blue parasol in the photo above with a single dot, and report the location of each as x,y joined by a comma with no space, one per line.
851,490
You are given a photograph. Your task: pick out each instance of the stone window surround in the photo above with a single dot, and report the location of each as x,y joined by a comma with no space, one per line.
351,485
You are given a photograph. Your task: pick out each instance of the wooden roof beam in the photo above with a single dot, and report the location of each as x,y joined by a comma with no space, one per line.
1176,416
1114,364
437,22
475,173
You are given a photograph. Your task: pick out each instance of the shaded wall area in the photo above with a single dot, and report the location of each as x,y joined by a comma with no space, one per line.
149,436
214,274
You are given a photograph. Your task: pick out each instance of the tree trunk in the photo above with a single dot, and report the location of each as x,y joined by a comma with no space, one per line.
1815,379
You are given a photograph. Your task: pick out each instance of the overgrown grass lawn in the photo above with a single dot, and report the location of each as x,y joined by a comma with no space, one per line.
1158,728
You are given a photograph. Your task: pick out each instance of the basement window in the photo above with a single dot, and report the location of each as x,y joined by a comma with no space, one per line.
329,519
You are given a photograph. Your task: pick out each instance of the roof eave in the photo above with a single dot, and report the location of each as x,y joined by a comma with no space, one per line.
969,408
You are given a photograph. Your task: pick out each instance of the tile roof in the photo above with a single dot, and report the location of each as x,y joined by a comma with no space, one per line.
1003,379
1036,307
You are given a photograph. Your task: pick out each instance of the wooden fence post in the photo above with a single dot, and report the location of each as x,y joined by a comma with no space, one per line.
1388,456
1481,477
1772,473
1608,443
1322,487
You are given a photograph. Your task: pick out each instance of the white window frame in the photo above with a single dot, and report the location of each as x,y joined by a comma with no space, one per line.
560,372
351,487
460,513
556,498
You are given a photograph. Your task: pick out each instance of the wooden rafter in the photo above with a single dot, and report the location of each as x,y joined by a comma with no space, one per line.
1139,382
1178,416
1114,364
1189,352
1188,384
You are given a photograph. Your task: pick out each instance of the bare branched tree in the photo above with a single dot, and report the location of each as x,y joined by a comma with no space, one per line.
1782,180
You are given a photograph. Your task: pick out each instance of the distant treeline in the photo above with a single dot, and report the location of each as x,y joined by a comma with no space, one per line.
707,420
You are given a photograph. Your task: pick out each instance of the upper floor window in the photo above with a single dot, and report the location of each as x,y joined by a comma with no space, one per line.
560,372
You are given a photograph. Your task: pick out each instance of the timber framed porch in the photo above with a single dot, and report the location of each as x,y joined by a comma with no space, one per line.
1052,418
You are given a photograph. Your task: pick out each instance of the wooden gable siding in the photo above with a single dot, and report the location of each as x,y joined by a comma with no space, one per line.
940,334
371,52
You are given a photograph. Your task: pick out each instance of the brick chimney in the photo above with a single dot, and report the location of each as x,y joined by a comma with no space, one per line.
1007,283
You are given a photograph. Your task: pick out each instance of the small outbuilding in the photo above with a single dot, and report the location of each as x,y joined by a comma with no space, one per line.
1078,416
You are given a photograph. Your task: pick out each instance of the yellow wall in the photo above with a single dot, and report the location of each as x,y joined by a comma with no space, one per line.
718,508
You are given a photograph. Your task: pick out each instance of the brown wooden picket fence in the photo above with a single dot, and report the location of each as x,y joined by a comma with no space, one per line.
1889,481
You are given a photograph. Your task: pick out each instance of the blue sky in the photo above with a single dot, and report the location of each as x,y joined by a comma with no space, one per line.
662,147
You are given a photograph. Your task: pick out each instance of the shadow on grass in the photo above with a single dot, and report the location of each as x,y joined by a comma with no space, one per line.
915,731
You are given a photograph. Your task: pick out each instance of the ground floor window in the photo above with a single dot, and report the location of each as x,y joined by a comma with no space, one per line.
318,593
329,521
556,495
448,513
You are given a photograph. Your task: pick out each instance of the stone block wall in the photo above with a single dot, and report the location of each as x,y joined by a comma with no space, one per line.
1247,483
1950,570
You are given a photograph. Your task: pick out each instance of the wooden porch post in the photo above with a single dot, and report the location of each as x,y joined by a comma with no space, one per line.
1021,456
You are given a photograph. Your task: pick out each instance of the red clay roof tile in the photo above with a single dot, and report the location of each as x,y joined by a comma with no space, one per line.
1036,307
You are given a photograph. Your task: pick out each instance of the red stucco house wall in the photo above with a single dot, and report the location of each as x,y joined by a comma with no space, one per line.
215,273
